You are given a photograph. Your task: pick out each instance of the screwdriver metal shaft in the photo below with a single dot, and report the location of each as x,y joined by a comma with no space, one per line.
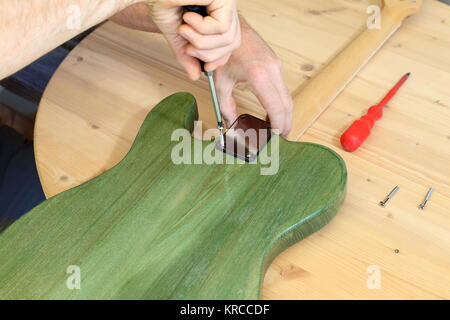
201,10
215,100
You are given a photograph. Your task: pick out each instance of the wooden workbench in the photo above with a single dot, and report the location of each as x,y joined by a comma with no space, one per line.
98,98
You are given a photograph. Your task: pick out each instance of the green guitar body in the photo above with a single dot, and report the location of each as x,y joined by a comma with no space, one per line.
152,229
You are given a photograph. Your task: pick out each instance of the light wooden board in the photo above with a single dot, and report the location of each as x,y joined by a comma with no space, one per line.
99,97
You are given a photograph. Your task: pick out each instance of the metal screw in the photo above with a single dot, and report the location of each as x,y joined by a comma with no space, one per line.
389,196
427,197
249,155
222,136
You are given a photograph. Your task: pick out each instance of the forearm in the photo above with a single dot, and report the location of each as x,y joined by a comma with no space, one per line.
31,28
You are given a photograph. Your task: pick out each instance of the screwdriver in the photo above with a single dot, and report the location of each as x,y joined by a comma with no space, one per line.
201,10
359,131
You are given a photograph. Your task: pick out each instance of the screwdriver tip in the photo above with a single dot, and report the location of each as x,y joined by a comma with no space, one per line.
408,74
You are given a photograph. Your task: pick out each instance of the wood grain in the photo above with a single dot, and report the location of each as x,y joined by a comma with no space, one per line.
312,98
98,99
152,229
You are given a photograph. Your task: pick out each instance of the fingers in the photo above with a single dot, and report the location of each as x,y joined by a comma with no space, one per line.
266,82
228,109
206,41
212,39
221,14
213,49
209,56
286,99
225,86
189,63
268,86
210,66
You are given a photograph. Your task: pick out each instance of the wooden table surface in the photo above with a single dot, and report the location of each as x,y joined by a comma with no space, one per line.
95,103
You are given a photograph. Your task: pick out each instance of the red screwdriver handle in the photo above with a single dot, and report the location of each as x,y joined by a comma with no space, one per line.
360,130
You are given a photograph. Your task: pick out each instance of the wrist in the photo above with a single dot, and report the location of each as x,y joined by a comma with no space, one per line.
122,4
131,2
245,27
136,16
247,32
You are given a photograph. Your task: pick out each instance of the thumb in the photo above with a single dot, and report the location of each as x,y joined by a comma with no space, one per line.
227,102
190,64
228,107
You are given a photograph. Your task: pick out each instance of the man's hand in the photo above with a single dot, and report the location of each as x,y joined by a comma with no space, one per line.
211,39
253,63
257,66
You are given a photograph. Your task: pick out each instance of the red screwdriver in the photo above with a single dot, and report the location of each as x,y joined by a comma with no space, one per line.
358,132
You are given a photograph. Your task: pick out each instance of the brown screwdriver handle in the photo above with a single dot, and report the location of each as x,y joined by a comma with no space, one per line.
201,10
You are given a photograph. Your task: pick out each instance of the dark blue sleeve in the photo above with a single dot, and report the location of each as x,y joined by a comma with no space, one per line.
20,188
